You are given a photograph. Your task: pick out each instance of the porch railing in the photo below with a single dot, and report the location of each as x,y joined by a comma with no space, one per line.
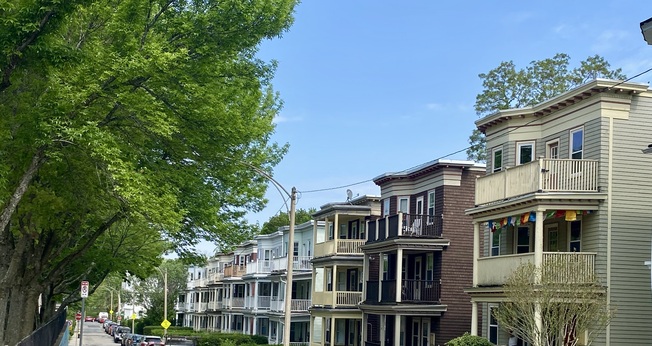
339,246
348,298
405,225
546,175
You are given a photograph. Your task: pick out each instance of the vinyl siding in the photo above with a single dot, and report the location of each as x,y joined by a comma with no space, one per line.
632,226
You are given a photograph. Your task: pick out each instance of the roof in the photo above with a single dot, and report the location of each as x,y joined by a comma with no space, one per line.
562,101
425,168
356,204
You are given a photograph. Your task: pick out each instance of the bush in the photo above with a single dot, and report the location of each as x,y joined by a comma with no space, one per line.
469,340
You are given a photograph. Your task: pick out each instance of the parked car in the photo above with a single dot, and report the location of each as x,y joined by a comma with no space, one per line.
119,332
150,340
178,341
89,319
131,339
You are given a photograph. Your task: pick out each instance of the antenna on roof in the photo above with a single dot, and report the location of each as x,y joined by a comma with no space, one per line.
349,195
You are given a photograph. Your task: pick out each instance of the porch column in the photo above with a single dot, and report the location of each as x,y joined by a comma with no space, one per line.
538,242
364,329
380,276
397,330
336,232
476,252
474,318
334,281
332,330
254,331
382,329
365,274
399,270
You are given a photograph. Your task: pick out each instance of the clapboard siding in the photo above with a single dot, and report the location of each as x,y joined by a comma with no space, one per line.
631,231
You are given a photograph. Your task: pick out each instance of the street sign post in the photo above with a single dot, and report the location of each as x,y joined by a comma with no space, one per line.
84,295
165,324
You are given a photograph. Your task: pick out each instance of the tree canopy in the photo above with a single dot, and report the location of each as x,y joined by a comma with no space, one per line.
130,116
506,87
283,219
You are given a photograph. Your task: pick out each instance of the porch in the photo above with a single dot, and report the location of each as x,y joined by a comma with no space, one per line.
404,225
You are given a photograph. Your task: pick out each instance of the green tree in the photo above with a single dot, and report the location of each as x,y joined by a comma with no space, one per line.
133,115
283,219
506,87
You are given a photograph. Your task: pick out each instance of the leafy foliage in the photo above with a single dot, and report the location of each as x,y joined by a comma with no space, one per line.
506,87
283,219
469,340
128,128
568,300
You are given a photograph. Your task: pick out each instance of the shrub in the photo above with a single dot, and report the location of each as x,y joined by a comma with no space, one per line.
469,340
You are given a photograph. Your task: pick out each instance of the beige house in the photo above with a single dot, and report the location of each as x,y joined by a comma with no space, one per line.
567,181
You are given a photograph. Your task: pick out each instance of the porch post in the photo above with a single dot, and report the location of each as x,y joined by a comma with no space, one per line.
397,330
474,318
332,330
334,283
336,232
363,339
365,274
382,330
399,270
476,252
538,241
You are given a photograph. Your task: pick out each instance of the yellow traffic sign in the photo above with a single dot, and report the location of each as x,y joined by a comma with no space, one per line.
133,316
165,324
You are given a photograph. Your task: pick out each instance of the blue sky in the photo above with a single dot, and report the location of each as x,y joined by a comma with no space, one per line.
374,86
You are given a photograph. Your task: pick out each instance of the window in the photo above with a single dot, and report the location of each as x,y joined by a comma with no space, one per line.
386,207
385,267
553,237
577,143
497,160
331,231
525,151
552,149
522,240
403,205
295,251
495,243
329,279
493,325
575,236
431,206
419,210
309,248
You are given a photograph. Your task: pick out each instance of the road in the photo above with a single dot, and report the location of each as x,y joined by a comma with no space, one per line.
94,335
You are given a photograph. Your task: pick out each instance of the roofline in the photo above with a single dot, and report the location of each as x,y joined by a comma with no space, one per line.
438,163
563,100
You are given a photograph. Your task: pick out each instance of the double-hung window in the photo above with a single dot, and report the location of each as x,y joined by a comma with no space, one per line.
497,160
525,152
577,143
431,207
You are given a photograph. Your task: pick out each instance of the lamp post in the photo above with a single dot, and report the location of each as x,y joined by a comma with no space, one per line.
288,287
111,290
165,296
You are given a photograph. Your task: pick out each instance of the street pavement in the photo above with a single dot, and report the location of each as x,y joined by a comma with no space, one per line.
94,335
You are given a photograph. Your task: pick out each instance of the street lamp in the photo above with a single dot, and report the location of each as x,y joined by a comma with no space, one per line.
111,290
288,287
165,296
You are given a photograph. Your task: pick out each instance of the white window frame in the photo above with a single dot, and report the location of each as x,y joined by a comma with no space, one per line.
431,207
550,229
549,146
407,204
492,245
419,206
490,325
386,207
570,143
494,151
519,145
530,236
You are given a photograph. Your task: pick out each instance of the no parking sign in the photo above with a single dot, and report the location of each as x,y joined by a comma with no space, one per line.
84,289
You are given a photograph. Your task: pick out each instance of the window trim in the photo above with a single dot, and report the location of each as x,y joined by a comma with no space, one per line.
530,240
569,235
518,151
494,151
407,205
552,144
431,206
571,132
493,246
490,325
386,207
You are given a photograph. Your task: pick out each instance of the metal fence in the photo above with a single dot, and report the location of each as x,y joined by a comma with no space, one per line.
47,334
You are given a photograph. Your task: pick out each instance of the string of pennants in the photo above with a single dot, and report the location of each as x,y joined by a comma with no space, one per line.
568,215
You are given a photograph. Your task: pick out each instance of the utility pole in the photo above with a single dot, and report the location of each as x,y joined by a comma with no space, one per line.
288,285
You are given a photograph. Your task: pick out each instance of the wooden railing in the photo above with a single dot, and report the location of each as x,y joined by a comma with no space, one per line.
234,270
405,225
300,263
259,267
264,302
347,298
237,302
545,175
339,246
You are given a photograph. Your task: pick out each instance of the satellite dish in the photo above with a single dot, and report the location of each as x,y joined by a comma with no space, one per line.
349,194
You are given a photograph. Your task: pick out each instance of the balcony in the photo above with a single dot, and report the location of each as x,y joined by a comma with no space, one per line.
423,291
576,267
339,247
542,175
259,267
405,225
296,305
300,263
234,270
335,299
238,302
215,277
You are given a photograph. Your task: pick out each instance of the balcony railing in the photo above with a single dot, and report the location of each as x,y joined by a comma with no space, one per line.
296,305
339,299
237,302
405,225
545,175
264,302
234,271
300,263
576,267
339,246
259,267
